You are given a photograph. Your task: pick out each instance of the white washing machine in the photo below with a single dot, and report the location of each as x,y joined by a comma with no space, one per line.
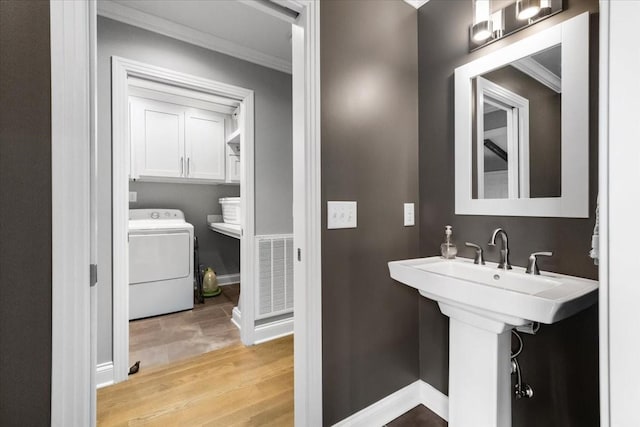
160,262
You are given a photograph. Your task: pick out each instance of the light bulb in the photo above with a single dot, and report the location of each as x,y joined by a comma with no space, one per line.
526,9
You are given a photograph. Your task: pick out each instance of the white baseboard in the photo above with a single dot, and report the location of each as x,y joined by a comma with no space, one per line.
236,317
228,279
268,331
104,374
273,330
394,405
386,409
435,400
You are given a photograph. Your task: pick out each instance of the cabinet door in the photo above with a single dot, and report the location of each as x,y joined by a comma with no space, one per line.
157,138
205,145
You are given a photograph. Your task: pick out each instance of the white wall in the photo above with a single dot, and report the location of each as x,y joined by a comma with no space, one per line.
273,141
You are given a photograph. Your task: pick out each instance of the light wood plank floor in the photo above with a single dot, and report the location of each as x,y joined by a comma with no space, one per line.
234,386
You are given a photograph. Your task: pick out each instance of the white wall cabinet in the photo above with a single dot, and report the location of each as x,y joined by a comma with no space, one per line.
205,148
176,143
157,139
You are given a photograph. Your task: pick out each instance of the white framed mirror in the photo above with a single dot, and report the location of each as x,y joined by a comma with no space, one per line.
522,127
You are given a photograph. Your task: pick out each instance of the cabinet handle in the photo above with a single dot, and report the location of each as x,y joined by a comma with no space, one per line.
188,166
181,165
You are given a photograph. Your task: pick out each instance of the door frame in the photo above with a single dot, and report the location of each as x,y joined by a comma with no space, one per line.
72,139
73,94
307,214
121,70
619,231
517,136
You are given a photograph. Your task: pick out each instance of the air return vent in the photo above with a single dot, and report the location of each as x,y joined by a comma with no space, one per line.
275,276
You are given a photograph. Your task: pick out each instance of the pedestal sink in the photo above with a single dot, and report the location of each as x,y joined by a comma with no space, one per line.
484,303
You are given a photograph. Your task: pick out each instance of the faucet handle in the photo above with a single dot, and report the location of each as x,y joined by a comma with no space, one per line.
532,266
479,258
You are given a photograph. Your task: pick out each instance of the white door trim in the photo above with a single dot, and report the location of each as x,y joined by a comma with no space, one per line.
517,111
71,38
121,70
71,139
307,220
619,201
603,196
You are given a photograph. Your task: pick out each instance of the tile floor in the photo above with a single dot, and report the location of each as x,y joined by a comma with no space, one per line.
165,339
418,416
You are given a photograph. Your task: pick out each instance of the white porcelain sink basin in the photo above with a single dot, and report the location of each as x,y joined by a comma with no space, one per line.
512,297
483,304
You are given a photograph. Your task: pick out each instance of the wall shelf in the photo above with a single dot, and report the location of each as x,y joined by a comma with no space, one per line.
234,138
230,230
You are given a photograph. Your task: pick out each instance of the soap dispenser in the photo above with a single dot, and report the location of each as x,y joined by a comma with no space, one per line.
448,249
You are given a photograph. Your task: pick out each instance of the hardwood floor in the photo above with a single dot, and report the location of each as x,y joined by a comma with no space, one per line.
418,416
235,386
166,339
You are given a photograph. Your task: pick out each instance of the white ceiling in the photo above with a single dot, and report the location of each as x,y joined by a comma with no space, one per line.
229,23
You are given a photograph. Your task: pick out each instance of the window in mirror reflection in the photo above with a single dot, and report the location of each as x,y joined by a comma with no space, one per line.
517,129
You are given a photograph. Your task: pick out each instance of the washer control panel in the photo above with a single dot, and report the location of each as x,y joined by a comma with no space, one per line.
164,214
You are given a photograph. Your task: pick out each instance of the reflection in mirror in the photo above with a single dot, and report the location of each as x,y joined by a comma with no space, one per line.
517,136
496,149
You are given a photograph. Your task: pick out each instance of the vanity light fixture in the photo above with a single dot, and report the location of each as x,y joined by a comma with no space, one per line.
492,20
482,28
526,9
545,8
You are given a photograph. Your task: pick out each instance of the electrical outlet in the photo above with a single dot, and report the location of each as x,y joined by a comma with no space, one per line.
409,215
342,215
133,196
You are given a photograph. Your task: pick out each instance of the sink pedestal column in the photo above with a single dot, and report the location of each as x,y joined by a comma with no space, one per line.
479,370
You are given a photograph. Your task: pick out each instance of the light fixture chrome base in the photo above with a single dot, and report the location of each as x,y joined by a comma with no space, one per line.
526,9
482,31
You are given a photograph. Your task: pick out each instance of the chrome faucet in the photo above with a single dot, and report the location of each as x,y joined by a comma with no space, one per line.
504,252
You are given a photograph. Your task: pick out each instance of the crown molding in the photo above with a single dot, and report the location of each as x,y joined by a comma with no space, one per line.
539,72
153,23
275,8
416,3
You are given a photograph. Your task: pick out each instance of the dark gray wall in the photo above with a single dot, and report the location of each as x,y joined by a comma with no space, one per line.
25,214
369,154
561,361
273,139
216,250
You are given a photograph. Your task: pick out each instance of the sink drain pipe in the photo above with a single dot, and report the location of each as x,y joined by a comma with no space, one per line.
521,389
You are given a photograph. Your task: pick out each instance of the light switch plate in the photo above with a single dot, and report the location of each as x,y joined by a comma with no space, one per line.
342,215
409,215
133,196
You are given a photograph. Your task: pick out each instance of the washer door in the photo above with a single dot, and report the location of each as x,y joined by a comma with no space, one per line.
159,256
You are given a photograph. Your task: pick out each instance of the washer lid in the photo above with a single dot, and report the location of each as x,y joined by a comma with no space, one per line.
159,225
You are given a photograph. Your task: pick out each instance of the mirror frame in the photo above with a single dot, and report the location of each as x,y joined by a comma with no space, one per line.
573,34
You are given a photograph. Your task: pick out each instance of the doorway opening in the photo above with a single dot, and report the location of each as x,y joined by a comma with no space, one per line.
74,99
184,143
